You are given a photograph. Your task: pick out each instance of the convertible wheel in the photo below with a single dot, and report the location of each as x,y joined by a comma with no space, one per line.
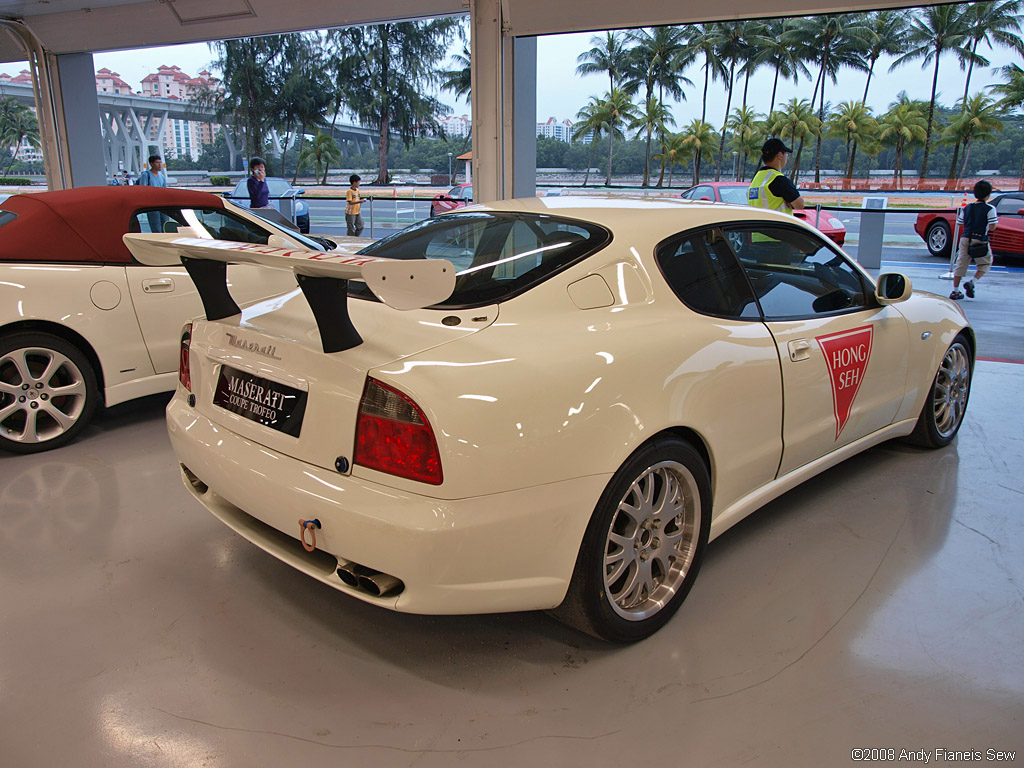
937,238
943,411
48,392
644,545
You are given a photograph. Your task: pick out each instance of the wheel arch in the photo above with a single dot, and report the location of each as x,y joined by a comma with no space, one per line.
688,435
70,336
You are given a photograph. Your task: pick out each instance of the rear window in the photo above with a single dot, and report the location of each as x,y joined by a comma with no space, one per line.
496,255
6,217
734,195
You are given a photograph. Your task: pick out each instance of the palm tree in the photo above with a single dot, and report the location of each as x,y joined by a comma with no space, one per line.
833,42
936,30
995,24
746,134
775,53
654,118
733,48
853,123
609,54
323,151
888,37
702,43
977,121
590,120
697,137
615,110
901,127
797,122
672,153
17,125
1012,92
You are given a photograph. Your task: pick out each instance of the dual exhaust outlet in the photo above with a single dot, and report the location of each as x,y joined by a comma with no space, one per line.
370,581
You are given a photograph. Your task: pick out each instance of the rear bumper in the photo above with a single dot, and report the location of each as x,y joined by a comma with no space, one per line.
509,551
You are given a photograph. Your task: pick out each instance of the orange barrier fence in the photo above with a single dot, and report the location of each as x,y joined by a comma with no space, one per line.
999,183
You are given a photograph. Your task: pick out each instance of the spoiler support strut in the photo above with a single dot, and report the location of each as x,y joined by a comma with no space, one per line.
328,298
211,279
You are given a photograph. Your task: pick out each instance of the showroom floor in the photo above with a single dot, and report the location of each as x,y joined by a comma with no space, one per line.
878,606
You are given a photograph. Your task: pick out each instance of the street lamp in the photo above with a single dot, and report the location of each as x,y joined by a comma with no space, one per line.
450,168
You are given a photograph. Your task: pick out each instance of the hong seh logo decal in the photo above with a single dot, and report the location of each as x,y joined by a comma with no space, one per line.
846,357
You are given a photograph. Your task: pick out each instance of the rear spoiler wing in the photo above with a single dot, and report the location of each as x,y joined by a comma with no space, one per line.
323,277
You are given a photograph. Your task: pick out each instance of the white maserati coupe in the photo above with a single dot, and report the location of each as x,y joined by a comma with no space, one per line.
551,403
83,325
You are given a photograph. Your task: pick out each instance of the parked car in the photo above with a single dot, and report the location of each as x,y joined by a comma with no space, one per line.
458,196
279,188
83,325
579,395
936,228
735,192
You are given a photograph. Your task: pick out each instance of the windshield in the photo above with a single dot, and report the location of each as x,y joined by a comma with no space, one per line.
496,255
314,244
734,195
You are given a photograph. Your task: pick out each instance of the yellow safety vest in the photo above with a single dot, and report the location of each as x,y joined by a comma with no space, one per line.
759,196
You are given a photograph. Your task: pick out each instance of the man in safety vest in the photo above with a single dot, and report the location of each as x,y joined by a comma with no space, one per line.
770,188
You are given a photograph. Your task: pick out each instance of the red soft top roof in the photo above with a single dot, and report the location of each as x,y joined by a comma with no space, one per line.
85,224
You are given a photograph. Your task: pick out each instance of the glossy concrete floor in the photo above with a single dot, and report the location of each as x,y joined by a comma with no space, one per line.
879,606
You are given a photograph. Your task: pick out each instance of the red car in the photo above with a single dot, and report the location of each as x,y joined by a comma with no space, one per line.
735,192
458,196
937,228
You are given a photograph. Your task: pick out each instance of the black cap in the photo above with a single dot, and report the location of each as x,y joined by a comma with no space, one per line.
772,147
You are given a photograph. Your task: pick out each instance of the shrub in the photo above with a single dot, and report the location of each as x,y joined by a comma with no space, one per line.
15,181
220,181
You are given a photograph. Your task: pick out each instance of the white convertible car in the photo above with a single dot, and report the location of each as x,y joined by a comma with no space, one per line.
83,325
551,403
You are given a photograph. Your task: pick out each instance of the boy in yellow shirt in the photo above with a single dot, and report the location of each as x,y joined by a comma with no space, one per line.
353,221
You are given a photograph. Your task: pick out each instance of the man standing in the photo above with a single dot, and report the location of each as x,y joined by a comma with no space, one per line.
976,221
155,176
353,221
259,192
770,188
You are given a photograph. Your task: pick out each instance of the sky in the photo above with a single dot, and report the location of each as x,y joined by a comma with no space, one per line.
561,93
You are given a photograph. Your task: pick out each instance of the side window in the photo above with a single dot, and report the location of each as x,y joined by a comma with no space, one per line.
223,226
703,272
158,221
796,274
703,193
1009,206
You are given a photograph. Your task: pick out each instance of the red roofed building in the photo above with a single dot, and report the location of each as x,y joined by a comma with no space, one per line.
181,137
111,82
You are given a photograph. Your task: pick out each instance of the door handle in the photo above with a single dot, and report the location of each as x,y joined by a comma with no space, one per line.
158,285
799,350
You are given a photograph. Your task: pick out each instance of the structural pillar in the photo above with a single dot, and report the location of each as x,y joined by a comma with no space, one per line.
78,119
504,83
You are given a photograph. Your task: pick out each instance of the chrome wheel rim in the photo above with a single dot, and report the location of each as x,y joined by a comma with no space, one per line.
42,394
652,541
952,386
938,238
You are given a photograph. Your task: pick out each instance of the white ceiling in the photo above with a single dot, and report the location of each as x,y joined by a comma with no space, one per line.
75,26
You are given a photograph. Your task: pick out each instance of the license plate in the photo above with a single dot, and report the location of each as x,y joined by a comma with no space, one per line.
266,402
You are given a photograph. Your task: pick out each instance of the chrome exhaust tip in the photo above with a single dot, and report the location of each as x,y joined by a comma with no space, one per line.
380,584
349,573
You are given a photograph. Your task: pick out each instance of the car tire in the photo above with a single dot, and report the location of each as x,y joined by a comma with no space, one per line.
944,408
636,563
938,238
48,392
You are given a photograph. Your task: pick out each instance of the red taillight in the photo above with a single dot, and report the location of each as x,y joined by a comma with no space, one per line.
184,371
393,436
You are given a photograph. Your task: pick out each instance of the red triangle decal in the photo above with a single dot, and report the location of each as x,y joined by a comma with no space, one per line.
846,357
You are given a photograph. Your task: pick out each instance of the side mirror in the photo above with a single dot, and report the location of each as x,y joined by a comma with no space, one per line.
707,198
300,191
893,288
1020,211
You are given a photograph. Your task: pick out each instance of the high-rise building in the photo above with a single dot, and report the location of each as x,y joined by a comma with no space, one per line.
556,130
181,137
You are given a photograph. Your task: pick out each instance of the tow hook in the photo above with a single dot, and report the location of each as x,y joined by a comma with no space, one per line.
311,526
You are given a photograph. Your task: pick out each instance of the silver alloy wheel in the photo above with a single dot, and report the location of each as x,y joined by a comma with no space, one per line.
952,386
42,394
652,540
938,238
